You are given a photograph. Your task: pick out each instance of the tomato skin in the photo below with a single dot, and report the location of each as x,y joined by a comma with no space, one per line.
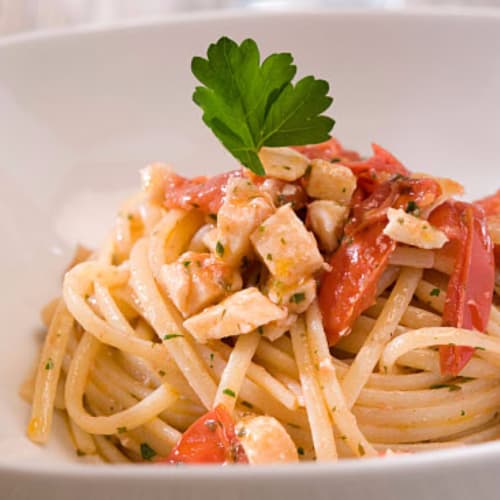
209,440
350,286
328,150
204,193
381,167
363,255
490,204
470,289
396,193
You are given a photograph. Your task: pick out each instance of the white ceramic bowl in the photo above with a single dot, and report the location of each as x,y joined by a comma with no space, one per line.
81,112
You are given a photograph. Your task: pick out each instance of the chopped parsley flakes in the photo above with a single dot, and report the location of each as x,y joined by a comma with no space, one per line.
219,249
297,298
171,336
229,392
147,452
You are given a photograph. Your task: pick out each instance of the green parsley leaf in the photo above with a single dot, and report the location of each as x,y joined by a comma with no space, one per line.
147,452
49,365
248,105
300,450
229,392
435,292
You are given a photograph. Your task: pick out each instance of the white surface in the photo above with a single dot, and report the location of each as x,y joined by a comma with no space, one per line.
82,112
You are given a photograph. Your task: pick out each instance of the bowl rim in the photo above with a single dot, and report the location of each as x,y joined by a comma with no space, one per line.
350,468
228,13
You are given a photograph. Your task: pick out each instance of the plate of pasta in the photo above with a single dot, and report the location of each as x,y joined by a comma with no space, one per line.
220,289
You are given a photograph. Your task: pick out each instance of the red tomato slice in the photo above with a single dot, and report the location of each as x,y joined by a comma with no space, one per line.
205,193
350,286
490,204
397,193
381,167
328,150
470,289
209,440
362,257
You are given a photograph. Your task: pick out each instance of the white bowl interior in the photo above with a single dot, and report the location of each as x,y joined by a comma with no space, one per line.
82,112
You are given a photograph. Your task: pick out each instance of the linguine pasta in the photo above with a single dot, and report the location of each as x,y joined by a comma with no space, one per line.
183,310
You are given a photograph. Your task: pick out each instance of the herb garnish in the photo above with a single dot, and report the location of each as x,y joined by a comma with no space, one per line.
219,249
248,105
147,452
229,392
412,208
435,292
450,387
297,298
171,336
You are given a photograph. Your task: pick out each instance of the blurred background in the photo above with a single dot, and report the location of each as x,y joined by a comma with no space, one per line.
28,15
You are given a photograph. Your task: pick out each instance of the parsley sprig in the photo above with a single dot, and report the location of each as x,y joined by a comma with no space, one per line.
249,105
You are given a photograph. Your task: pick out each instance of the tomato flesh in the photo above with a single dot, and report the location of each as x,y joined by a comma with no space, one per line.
350,286
328,150
469,294
209,440
364,252
490,204
204,193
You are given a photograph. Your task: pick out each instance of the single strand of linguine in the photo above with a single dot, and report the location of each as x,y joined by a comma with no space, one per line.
413,317
317,413
48,372
170,236
429,360
412,257
416,434
432,336
263,378
436,298
467,404
235,370
386,324
397,399
109,452
340,414
268,354
82,440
